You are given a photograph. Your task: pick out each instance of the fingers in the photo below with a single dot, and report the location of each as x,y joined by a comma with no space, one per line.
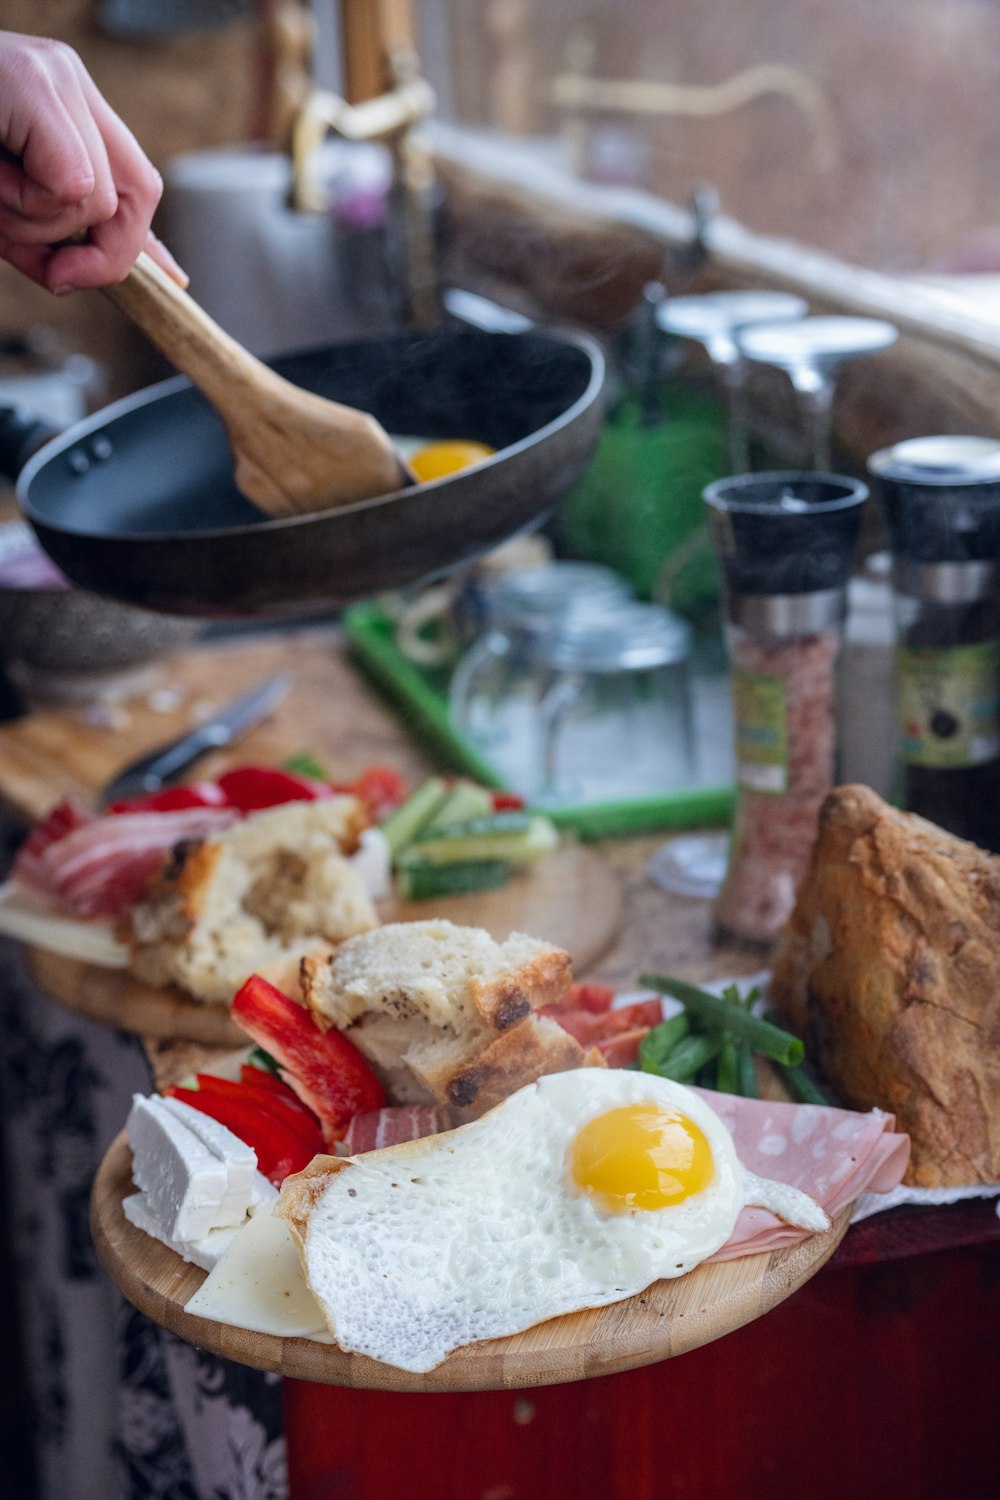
71,168
116,239
159,252
40,124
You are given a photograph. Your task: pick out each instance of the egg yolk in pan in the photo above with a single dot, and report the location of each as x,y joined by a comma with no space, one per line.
437,460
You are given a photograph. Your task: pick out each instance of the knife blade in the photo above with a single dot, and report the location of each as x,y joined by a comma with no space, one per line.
152,771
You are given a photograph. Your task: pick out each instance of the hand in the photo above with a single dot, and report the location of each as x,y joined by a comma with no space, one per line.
71,170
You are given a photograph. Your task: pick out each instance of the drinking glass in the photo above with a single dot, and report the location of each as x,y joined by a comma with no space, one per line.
714,320
810,352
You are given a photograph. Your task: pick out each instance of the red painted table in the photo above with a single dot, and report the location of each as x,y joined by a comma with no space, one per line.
878,1380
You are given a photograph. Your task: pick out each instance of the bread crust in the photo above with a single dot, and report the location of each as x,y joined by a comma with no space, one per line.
252,899
444,1013
890,971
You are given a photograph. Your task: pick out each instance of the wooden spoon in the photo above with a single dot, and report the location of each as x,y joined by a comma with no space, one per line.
294,452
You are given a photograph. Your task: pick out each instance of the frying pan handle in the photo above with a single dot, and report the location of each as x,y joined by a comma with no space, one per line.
22,433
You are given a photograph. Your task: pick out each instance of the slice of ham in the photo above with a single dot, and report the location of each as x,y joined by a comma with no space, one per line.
374,1128
102,866
834,1155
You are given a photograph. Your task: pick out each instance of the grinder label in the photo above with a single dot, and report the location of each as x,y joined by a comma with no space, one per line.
949,704
760,711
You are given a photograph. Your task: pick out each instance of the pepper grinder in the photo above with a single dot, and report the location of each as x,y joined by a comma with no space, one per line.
786,543
941,500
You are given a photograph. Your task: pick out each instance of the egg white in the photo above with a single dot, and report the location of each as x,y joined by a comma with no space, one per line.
480,1232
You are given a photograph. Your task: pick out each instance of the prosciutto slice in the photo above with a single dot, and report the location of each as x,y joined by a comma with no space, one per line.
834,1155
100,867
390,1126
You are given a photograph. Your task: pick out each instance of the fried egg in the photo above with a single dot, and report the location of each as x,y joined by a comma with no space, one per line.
577,1191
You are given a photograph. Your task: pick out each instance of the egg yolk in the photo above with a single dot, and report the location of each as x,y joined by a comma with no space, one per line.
641,1156
439,459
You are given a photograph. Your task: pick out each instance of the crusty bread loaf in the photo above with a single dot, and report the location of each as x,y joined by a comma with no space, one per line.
253,899
890,971
445,1013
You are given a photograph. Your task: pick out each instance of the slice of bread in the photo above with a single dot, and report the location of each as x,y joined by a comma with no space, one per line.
447,975
253,899
445,1013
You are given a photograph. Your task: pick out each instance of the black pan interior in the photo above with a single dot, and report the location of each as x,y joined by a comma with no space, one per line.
164,468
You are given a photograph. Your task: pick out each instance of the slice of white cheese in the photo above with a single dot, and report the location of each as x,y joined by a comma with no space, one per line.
206,1252
239,1160
184,1182
259,1284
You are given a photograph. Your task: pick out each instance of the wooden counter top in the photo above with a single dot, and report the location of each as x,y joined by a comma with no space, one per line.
333,714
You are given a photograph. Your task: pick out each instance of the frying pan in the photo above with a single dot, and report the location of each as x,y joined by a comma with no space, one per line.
138,502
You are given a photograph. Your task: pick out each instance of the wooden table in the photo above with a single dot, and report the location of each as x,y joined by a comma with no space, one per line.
875,1380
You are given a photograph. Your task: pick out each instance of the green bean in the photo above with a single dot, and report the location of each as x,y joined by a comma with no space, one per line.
770,1040
657,1045
747,1072
689,1055
727,1078
801,1086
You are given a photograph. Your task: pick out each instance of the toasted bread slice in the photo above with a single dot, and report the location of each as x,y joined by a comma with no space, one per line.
253,899
445,1013
437,971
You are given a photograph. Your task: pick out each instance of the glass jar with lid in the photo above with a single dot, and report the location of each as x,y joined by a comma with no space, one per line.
615,716
496,688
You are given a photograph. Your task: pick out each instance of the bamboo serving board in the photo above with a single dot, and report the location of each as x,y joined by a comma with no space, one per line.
669,1318
571,899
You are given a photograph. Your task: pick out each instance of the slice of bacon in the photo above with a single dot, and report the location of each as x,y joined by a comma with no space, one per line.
374,1128
103,866
622,1051
592,1028
29,867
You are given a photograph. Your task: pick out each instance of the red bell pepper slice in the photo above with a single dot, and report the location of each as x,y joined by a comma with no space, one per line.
279,1150
251,788
326,1070
174,799
261,1078
290,1111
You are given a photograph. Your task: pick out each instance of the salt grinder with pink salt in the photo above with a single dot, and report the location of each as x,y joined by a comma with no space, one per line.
786,543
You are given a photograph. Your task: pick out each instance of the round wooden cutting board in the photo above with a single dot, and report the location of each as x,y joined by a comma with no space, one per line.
571,899
669,1318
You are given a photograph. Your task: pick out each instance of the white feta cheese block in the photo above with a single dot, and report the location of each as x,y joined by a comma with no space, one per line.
205,1252
373,862
184,1182
239,1160
262,1192
259,1284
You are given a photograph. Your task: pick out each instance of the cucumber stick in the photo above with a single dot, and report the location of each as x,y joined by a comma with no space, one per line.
462,802
421,882
514,837
401,827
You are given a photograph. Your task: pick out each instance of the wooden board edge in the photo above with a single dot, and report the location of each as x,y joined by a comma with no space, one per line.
517,1362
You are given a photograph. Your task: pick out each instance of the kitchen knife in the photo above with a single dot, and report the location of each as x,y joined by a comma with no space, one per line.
151,772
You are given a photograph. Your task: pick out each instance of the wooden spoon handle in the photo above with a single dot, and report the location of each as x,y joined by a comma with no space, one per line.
293,451
190,339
